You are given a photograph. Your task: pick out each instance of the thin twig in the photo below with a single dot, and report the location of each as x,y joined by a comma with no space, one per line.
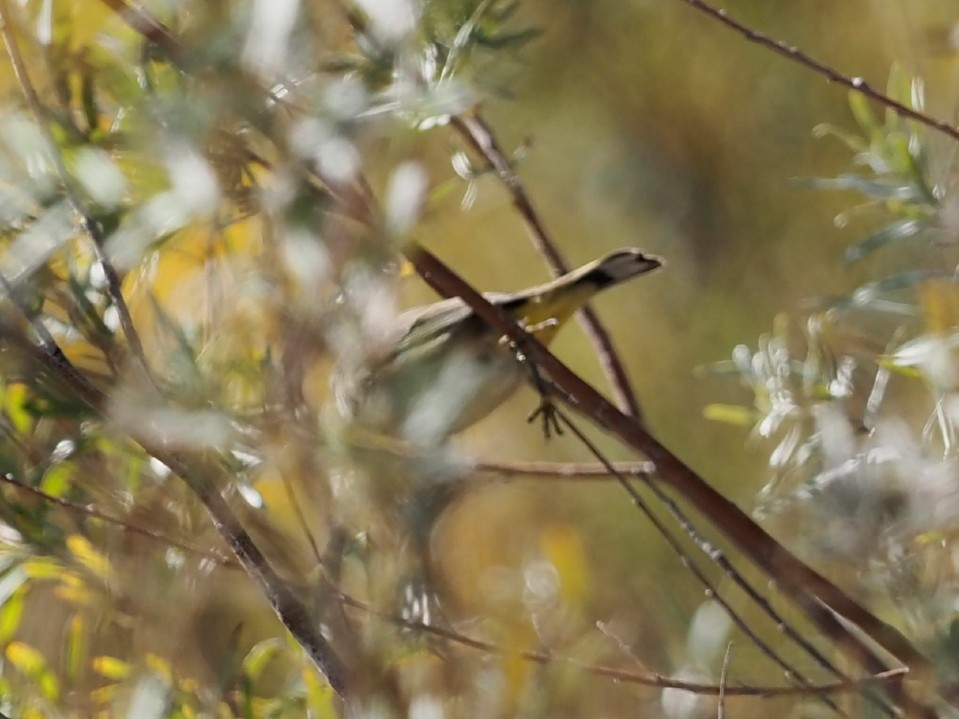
480,136
721,709
563,470
798,56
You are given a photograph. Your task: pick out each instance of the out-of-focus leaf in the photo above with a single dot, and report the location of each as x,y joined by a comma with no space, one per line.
186,356
77,595
259,656
89,557
504,40
88,101
11,582
99,176
731,414
31,662
893,232
42,568
904,280
898,87
10,615
723,368
878,189
321,698
56,479
16,402
865,118
111,668
105,695
160,667
75,647
504,11
852,141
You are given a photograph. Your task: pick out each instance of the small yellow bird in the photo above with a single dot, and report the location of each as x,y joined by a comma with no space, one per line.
445,369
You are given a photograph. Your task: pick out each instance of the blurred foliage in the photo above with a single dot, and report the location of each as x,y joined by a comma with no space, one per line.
253,187
860,406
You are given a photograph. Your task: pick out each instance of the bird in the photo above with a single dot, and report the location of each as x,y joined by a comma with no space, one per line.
442,368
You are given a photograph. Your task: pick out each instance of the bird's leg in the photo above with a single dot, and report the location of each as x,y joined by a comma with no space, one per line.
550,414
546,410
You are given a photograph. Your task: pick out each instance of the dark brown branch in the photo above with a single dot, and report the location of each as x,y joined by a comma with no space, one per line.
480,136
813,593
798,56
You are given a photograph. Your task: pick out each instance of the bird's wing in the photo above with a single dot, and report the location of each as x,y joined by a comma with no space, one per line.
427,325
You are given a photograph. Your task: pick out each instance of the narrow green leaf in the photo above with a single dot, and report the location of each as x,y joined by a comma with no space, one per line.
893,232
504,40
874,290
56,479
10,615
898,87
111,668
857,183
31,662
75,649
863,113
731,414
259,656
852,141
17,402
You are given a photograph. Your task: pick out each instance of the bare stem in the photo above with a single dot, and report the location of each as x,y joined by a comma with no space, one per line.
796,55
563,470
